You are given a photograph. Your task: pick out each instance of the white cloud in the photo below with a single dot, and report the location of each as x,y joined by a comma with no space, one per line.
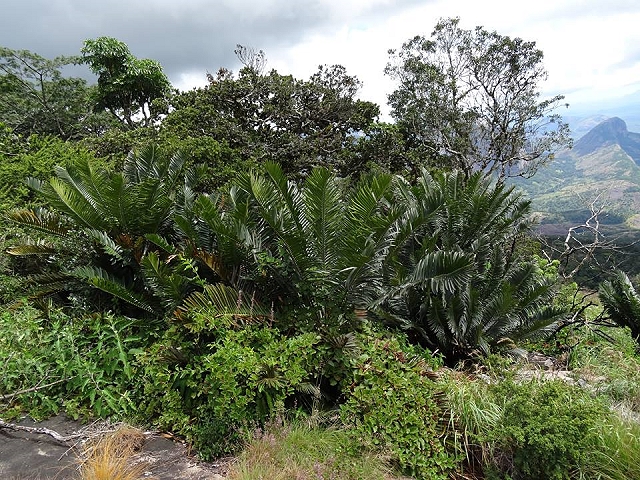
587,48
189,80
590,46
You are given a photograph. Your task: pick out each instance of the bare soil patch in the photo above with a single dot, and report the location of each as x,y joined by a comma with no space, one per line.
28,455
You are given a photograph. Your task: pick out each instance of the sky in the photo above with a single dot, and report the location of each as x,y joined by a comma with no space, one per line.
591,47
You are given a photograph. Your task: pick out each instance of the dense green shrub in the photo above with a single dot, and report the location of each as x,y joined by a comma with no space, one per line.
216,385
393,406
216,162
82,365
35,156
533,429
548,429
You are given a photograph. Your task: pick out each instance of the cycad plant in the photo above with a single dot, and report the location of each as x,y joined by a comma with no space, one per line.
454,279
117,221
622,303
315,249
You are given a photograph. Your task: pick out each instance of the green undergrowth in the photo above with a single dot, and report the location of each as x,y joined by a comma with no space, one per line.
393,409
299,451
538,429
394,404
216,388
610,365
52,362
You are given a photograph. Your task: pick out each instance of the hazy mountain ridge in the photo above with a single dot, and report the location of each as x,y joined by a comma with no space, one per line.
603,167
612,131
585,116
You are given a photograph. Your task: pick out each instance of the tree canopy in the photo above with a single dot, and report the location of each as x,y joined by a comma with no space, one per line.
36,98
470,99
127,85
275,117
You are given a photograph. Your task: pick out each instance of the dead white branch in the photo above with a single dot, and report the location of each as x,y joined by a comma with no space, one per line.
40,431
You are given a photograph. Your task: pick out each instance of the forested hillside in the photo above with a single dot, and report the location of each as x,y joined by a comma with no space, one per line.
262,258
601,169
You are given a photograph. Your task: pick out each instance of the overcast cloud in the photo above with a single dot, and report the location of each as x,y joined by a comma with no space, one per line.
590,46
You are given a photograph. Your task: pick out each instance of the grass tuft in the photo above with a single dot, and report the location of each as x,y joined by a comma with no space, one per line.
619,455
110,457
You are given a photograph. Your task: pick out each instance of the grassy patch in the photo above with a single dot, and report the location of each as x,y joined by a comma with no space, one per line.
611,367
301,452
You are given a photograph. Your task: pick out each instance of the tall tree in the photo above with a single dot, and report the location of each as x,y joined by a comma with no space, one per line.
127,86
470,99
36,98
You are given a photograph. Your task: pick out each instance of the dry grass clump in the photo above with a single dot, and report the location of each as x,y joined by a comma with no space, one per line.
111,456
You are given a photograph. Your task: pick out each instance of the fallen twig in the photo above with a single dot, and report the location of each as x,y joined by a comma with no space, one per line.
40,430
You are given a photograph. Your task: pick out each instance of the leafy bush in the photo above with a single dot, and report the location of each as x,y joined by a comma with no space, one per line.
548,429
393,406
217,385
35,156
217,163
86,366
537,429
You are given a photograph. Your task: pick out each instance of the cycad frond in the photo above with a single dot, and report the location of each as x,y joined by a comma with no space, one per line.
39,219
367,233
288,192
103,280
323,214
170,284
277,219
220,300
71,202
621,302
35,184
161,242
31,247
442,272
49,283
214,262
143,164
108,245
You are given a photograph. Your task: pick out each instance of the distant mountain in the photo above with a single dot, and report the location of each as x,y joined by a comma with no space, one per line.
612,131
584,116
580,125
603,166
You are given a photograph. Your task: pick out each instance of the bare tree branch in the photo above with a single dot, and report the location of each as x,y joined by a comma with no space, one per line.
11,396
40,431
